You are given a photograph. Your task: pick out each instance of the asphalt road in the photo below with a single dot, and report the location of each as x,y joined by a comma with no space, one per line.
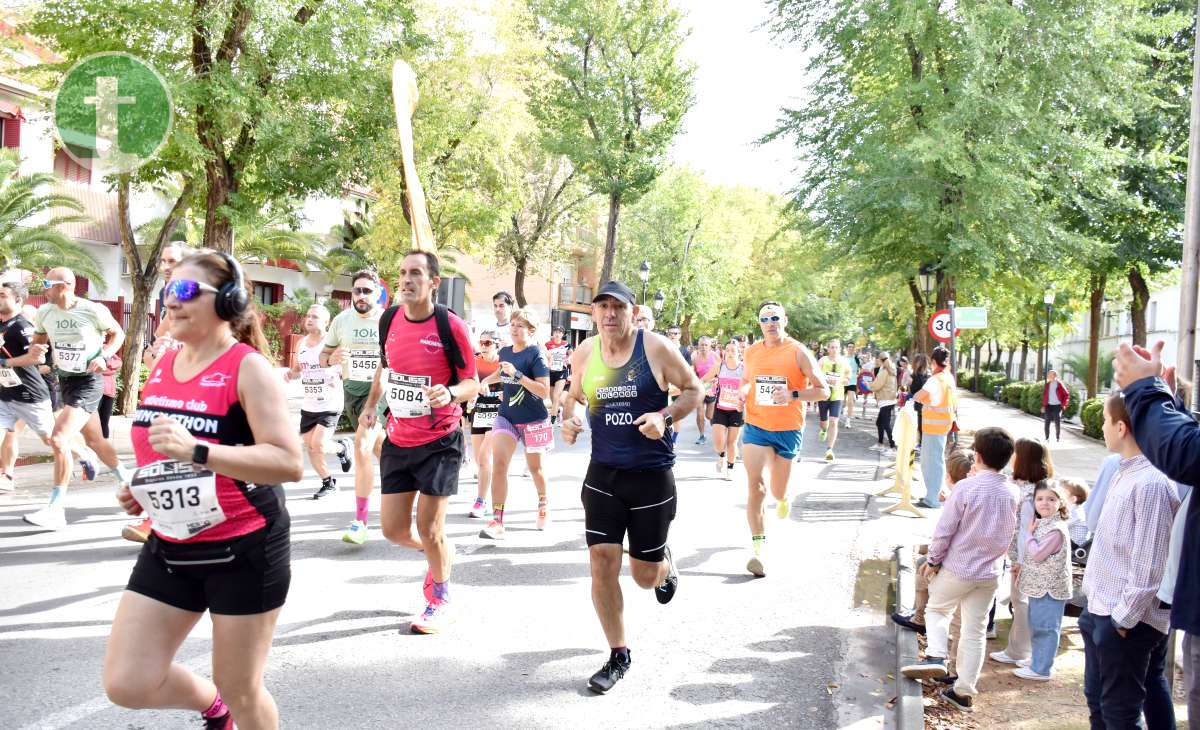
804,647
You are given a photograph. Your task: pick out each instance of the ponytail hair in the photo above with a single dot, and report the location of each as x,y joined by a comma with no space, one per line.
247,326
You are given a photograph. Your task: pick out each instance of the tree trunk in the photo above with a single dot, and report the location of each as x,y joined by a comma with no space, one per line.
218,231
1008,367
686,330
976,382
989,352
610,237
1137,306
142,276
519,281
1024,359
135,341
920,341
1096,299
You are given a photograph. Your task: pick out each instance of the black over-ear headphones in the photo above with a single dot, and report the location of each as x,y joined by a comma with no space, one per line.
232,300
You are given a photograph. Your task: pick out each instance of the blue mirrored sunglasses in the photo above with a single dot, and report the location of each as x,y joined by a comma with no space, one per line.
185,290
47,283
772,318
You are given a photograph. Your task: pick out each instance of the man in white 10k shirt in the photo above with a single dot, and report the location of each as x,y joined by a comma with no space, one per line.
84,336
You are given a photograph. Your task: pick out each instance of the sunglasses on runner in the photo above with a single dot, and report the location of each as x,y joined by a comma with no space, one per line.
772,318
185,290
364,290
486,343
47,283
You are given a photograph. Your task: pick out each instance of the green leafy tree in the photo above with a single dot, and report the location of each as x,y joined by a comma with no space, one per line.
956,136
616,96
267,107
31,213
547,195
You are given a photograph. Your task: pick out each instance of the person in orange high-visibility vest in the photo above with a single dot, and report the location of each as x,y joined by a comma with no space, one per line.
939,408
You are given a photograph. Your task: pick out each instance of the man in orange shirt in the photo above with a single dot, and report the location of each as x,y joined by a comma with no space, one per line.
780,373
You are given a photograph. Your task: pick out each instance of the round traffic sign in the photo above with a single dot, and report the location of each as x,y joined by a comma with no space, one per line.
939,325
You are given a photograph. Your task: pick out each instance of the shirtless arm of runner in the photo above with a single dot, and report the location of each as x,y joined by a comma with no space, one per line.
331,356
808,365
274,457
922,397
367,418
672,368
36,355
572,424
162,339
294,371
440,395
113,339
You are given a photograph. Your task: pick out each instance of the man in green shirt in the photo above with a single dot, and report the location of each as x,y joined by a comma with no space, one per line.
353,343
84,336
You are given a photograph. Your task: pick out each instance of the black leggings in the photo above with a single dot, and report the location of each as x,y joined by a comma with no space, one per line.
1053,415
105,411
883,424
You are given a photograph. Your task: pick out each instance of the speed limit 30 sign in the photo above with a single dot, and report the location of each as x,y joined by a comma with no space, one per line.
939,325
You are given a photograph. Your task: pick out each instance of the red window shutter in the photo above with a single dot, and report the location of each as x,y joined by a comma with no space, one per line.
12,133
81,286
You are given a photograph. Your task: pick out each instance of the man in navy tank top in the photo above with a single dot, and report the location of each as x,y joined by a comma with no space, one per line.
623,377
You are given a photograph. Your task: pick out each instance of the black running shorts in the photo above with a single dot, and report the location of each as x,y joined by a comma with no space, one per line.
241,576
557,375
728,419
639,501
310,420
827,409
81,391
431,469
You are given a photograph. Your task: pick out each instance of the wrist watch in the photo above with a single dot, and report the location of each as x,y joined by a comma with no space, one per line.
668,419
200,454
795,395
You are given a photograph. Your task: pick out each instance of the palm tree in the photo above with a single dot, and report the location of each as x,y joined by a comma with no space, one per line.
30,217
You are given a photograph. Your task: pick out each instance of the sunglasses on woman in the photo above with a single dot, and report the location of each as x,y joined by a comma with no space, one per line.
185,290
772,318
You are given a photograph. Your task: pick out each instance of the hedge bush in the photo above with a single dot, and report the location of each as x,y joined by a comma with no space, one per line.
987,381
1031,399
1092,415
1012,394
1073,403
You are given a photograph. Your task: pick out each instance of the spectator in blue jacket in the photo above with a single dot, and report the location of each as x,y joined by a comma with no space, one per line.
1169,437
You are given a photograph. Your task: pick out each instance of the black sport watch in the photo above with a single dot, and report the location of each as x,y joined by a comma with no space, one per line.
668,419
200,454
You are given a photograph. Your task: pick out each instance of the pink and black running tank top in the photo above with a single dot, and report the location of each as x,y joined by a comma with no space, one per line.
207,406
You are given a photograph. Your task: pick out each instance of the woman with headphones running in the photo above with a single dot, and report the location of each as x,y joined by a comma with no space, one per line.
211,453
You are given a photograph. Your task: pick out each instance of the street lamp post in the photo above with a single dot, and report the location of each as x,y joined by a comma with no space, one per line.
644,275
659,299
1049,301
927,275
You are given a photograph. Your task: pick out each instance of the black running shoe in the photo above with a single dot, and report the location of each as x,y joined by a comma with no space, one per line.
613,669
957,701
906,621
344,457
328,487
665,592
